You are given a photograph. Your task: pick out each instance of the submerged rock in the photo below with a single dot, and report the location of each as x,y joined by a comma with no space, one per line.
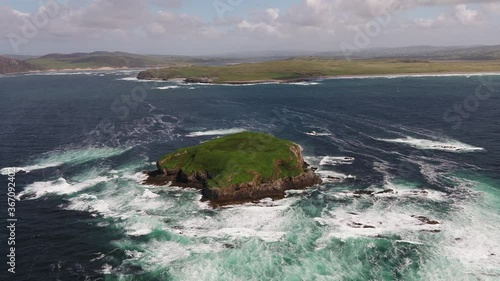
237,168
425,220
363,192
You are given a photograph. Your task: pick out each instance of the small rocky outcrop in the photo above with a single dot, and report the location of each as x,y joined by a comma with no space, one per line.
146,75
237,168
237,193
201,80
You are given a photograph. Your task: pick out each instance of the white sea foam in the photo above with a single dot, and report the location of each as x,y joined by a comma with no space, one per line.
148,194
249,83
63,73
266,220
57,158
470,238
139,231
374,222
124,201
336,160
128,79
134,79
444,145
167,87
27,169
332,176
393,76
216,132
163,253
304,83
127,205
99,257
394,192
59,186
322,134
246,85
91,204
107,269
138,177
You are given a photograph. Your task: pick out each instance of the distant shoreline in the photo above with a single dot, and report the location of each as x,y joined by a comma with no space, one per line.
319,78
88,69
71,70
267,81
80,69
298,70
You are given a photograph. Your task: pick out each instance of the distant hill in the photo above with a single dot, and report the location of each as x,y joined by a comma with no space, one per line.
424,52
96,60
18,57
108,59
9,65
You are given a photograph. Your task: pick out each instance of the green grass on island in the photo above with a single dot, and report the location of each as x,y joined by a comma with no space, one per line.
238,158
303,68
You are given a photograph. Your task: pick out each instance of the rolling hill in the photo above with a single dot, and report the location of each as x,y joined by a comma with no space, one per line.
9,65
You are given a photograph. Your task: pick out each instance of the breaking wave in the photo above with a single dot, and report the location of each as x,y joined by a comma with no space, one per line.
70,156
219,132
450,145
167,87
60,186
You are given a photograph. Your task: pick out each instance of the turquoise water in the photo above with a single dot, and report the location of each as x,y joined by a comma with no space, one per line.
86,215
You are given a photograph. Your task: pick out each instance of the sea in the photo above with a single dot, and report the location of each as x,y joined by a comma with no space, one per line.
410,168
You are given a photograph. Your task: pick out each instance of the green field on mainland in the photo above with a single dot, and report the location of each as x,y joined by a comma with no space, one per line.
303,68
238,158
105,59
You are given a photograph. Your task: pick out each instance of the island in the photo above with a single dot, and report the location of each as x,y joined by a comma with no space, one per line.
300,69
236,168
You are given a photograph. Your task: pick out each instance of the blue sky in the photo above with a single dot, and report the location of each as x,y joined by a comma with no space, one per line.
195,27
202,9
206,10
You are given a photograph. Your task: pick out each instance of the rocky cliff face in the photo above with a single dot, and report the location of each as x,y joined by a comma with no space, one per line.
151,75
8,65
146,75
237,193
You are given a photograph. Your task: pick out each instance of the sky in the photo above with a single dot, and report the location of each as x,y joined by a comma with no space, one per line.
215,27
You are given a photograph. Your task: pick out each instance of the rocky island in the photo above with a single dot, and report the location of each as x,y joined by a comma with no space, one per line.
237,168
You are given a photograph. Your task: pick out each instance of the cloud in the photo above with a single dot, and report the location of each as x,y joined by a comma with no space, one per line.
273,14
110,14
493,7
425,22
260,27
312,13
167,4
466,16
440,21
168,26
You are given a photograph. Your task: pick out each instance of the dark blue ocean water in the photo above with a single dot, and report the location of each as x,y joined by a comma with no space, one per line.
79,143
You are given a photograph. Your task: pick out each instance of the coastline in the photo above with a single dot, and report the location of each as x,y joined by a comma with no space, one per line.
263,81
319,78
71,70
